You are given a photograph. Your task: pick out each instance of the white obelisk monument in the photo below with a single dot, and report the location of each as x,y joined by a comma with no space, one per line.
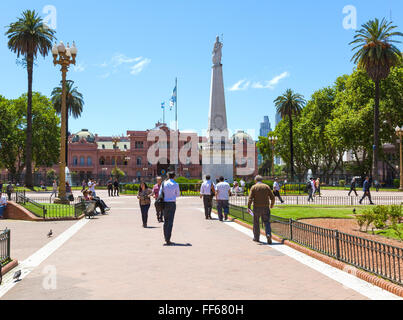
218,151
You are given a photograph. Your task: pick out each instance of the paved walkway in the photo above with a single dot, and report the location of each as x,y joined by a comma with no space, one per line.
113,257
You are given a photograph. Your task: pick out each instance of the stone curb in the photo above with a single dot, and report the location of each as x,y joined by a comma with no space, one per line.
383,284
9,266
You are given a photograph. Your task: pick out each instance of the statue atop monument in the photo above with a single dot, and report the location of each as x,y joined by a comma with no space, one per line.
217,52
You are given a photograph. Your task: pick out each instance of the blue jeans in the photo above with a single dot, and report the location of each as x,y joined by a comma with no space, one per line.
222,204
169,215
2,208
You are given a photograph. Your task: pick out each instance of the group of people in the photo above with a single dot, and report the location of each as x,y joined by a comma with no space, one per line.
313,187
366,188
89,194
260,196
113,188
165,195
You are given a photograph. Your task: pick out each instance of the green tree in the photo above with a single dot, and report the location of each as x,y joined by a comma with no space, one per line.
29,36
376,54
290,105
266,150
46,130
74,104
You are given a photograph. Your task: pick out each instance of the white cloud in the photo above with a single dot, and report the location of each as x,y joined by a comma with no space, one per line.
270,84
138,67
79,67
135,65
240,85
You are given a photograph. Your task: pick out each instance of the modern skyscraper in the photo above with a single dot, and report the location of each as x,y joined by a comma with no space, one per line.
265,127
278,118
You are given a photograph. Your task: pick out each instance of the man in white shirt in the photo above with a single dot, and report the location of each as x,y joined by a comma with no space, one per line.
223,191
54,189
207,192
276,190
311,190
171,191
91,187
3,204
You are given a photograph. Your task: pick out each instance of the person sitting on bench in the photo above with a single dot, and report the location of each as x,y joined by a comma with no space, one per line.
99,203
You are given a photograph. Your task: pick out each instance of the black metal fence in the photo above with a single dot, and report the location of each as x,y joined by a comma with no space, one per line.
4,247
49,211
376,257
326,201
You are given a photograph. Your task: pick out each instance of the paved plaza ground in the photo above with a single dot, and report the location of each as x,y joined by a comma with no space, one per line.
114,257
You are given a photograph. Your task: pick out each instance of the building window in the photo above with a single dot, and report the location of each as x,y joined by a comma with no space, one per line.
102,161
139,161
138,174
75,161
139,145
103,146
89,161
125,146
82,161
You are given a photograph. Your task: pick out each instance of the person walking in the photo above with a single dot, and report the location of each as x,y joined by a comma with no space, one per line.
145,202
353,187
116,187
158,206
276,190
207,192
223,192
9,190
54,189
317,187
83,186
262,199
69,192
3,204
110,188
311,189
366,188
170,191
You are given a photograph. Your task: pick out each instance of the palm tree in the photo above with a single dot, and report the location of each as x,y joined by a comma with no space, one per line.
288,105
74,104
27,37
376,54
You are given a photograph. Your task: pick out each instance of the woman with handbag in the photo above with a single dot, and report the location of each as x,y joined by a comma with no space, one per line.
145,202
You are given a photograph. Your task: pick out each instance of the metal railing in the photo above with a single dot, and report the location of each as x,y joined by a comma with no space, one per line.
46,210
376,257
4,247
325,201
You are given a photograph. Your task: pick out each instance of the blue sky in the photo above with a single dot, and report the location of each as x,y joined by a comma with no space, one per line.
131,51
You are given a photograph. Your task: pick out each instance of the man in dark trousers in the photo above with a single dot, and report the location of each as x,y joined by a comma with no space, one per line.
110,188
263,199
367,193
171,191
116,187
207,192
352,187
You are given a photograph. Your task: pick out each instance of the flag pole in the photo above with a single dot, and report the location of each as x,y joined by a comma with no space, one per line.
176,104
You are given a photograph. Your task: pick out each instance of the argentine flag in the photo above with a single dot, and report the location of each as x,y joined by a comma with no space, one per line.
173,99
162,105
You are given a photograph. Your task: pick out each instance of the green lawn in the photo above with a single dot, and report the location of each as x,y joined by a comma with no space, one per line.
390,233
305,212
53,210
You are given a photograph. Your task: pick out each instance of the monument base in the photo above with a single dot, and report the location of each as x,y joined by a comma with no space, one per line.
218,163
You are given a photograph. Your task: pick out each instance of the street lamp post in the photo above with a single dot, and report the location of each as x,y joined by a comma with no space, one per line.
63,56
399,133
273,141
116,148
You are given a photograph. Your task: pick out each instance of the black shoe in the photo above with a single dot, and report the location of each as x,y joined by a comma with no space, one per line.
269,240
168,243
226,218
360,202
256,240
144,226
282,201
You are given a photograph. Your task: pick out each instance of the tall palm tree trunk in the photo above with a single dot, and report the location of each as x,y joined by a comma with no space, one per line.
376,134
28,149
291,149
